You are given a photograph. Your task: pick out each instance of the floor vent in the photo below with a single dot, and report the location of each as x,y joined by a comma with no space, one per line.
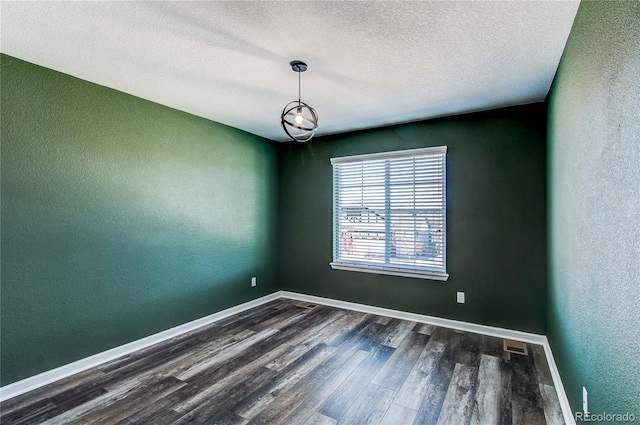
305,305
515,347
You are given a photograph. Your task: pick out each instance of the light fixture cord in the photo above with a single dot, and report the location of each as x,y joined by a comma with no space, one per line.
298,88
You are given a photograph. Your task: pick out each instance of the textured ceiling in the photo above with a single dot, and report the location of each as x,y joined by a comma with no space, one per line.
370,63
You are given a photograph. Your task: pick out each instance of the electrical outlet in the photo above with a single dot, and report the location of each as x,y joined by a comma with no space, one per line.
585,401
460,297
254,281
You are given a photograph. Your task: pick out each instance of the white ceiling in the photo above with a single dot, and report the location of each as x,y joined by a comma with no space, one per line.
371,63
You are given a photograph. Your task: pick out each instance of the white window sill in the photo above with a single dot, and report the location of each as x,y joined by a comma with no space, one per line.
420,274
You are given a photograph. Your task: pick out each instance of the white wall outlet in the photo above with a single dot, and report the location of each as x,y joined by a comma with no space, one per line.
254,281
585,401
460,297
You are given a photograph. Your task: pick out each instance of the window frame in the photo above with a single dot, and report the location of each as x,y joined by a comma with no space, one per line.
387,269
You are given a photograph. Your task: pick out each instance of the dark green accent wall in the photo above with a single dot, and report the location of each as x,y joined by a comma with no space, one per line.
121,218
496,219
594,209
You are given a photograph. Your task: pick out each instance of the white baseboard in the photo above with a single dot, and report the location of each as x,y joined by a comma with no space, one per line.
53,375
455,324
567,412
447,323
33,382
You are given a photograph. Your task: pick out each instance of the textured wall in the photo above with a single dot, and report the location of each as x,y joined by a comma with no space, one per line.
121,218
594,209
496,219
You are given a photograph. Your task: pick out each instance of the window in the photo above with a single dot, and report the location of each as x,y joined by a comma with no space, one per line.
389,213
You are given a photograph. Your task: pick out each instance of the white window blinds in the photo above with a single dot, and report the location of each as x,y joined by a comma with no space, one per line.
390,213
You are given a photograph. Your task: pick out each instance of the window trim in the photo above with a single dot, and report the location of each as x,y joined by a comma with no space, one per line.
393,271
388,155
407,271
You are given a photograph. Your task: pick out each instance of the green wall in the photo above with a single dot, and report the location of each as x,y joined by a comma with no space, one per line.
121,218
594,209
496,219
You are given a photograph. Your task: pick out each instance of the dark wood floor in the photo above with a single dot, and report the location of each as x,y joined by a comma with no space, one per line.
282,363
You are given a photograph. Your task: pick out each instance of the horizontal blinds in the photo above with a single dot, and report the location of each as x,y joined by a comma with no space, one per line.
390,210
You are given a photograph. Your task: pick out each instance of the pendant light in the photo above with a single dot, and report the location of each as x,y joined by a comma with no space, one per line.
298,119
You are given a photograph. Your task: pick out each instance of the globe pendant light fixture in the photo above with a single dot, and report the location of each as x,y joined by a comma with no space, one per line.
298,119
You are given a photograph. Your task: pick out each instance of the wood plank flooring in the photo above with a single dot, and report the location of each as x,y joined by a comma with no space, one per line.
283,363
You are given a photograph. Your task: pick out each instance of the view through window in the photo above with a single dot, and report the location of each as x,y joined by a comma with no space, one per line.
390,212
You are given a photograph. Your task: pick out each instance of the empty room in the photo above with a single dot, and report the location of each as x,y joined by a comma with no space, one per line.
318,212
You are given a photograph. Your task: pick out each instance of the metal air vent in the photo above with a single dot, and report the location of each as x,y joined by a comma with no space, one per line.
302,304
515,347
